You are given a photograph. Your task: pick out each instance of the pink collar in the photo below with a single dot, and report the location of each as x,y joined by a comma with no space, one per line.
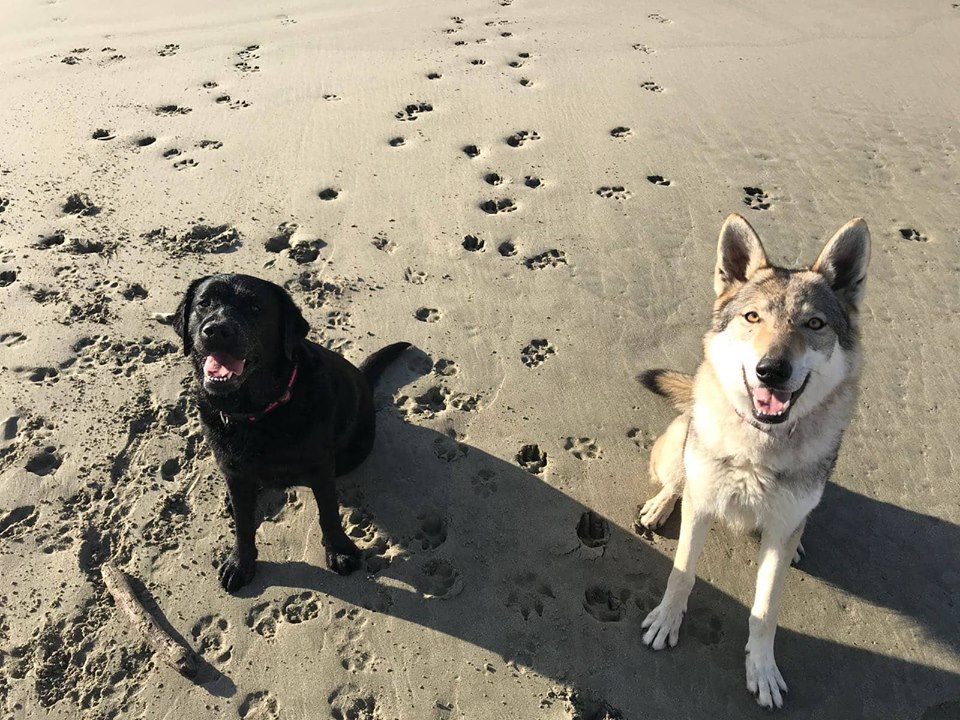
227,417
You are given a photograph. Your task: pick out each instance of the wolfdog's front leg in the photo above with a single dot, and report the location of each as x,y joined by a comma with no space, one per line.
763,676
663,622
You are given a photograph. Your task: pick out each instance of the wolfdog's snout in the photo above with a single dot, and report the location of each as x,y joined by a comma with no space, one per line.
774,371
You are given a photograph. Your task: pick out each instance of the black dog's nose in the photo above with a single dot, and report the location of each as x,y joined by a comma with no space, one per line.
774,371
218,330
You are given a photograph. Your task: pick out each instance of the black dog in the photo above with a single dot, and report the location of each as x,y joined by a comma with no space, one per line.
276,408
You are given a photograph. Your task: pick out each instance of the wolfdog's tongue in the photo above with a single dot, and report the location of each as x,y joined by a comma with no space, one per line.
769,401
219,365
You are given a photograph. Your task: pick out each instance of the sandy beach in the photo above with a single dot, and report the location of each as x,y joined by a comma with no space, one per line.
530,193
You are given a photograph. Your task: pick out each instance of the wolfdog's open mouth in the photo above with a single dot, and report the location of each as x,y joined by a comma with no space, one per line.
220,369
771,405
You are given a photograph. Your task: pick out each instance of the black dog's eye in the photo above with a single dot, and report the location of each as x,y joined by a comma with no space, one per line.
254,307
815,323
752,317
203,302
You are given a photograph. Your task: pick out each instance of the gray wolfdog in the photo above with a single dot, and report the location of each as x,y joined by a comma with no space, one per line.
761,422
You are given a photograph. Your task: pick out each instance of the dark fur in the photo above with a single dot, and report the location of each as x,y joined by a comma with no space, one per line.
326,428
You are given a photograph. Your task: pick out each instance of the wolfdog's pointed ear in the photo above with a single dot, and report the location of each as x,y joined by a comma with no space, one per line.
843,261
739,254
182,315
295,328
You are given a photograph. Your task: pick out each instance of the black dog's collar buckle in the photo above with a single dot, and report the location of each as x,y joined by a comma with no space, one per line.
226,417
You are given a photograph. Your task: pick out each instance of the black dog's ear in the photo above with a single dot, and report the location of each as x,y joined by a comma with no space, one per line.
293,327
182,316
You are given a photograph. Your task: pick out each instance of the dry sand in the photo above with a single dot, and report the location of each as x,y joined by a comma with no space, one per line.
480,600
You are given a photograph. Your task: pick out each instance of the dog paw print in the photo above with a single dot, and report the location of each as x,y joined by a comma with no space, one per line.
507,248
348,702
912,235
537,352
427,405
522,137
614,192
80,204
550,258
168,50
755,198
432,532
641,439
532,459
328,194
583,448
185,164
45,462
449,449
263,619
471,151
415,277
658,18
246,58
651,86
492,179
210,639
483,483
439,579
593,530
605,605
465,402
302,607
496,206
478,61
428,315
331,97
533,182
385,244
7,277
703,626
259,705
659,180
528,594
645,49
621,131
413,111
445,367
472,243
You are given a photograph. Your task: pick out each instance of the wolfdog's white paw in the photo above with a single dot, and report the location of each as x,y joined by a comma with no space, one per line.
798,554
663,626
657,509
764,679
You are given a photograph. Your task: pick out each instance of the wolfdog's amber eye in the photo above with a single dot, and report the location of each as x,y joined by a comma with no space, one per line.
815,323
752,317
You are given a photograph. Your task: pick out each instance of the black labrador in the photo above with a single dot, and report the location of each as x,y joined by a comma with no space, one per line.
276,408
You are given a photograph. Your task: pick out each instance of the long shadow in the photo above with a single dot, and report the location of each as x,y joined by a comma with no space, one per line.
891,556
497,557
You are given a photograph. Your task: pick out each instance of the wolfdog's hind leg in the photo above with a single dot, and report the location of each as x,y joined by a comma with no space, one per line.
666,468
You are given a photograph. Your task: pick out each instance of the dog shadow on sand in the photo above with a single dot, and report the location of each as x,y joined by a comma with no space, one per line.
498,558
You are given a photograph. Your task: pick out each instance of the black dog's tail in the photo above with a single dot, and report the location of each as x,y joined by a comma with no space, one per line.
677,387
373,367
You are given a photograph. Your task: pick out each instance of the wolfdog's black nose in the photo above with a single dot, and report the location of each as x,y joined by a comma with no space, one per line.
774,371
218,330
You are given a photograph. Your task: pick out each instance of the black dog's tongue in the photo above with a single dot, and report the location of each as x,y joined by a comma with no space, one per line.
221,365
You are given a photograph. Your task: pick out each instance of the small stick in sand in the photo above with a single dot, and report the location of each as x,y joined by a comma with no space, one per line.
173,653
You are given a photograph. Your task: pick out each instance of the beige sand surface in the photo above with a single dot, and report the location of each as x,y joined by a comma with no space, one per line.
480,600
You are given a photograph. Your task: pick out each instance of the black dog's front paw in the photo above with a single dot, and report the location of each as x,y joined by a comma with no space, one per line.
235,572
343,558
